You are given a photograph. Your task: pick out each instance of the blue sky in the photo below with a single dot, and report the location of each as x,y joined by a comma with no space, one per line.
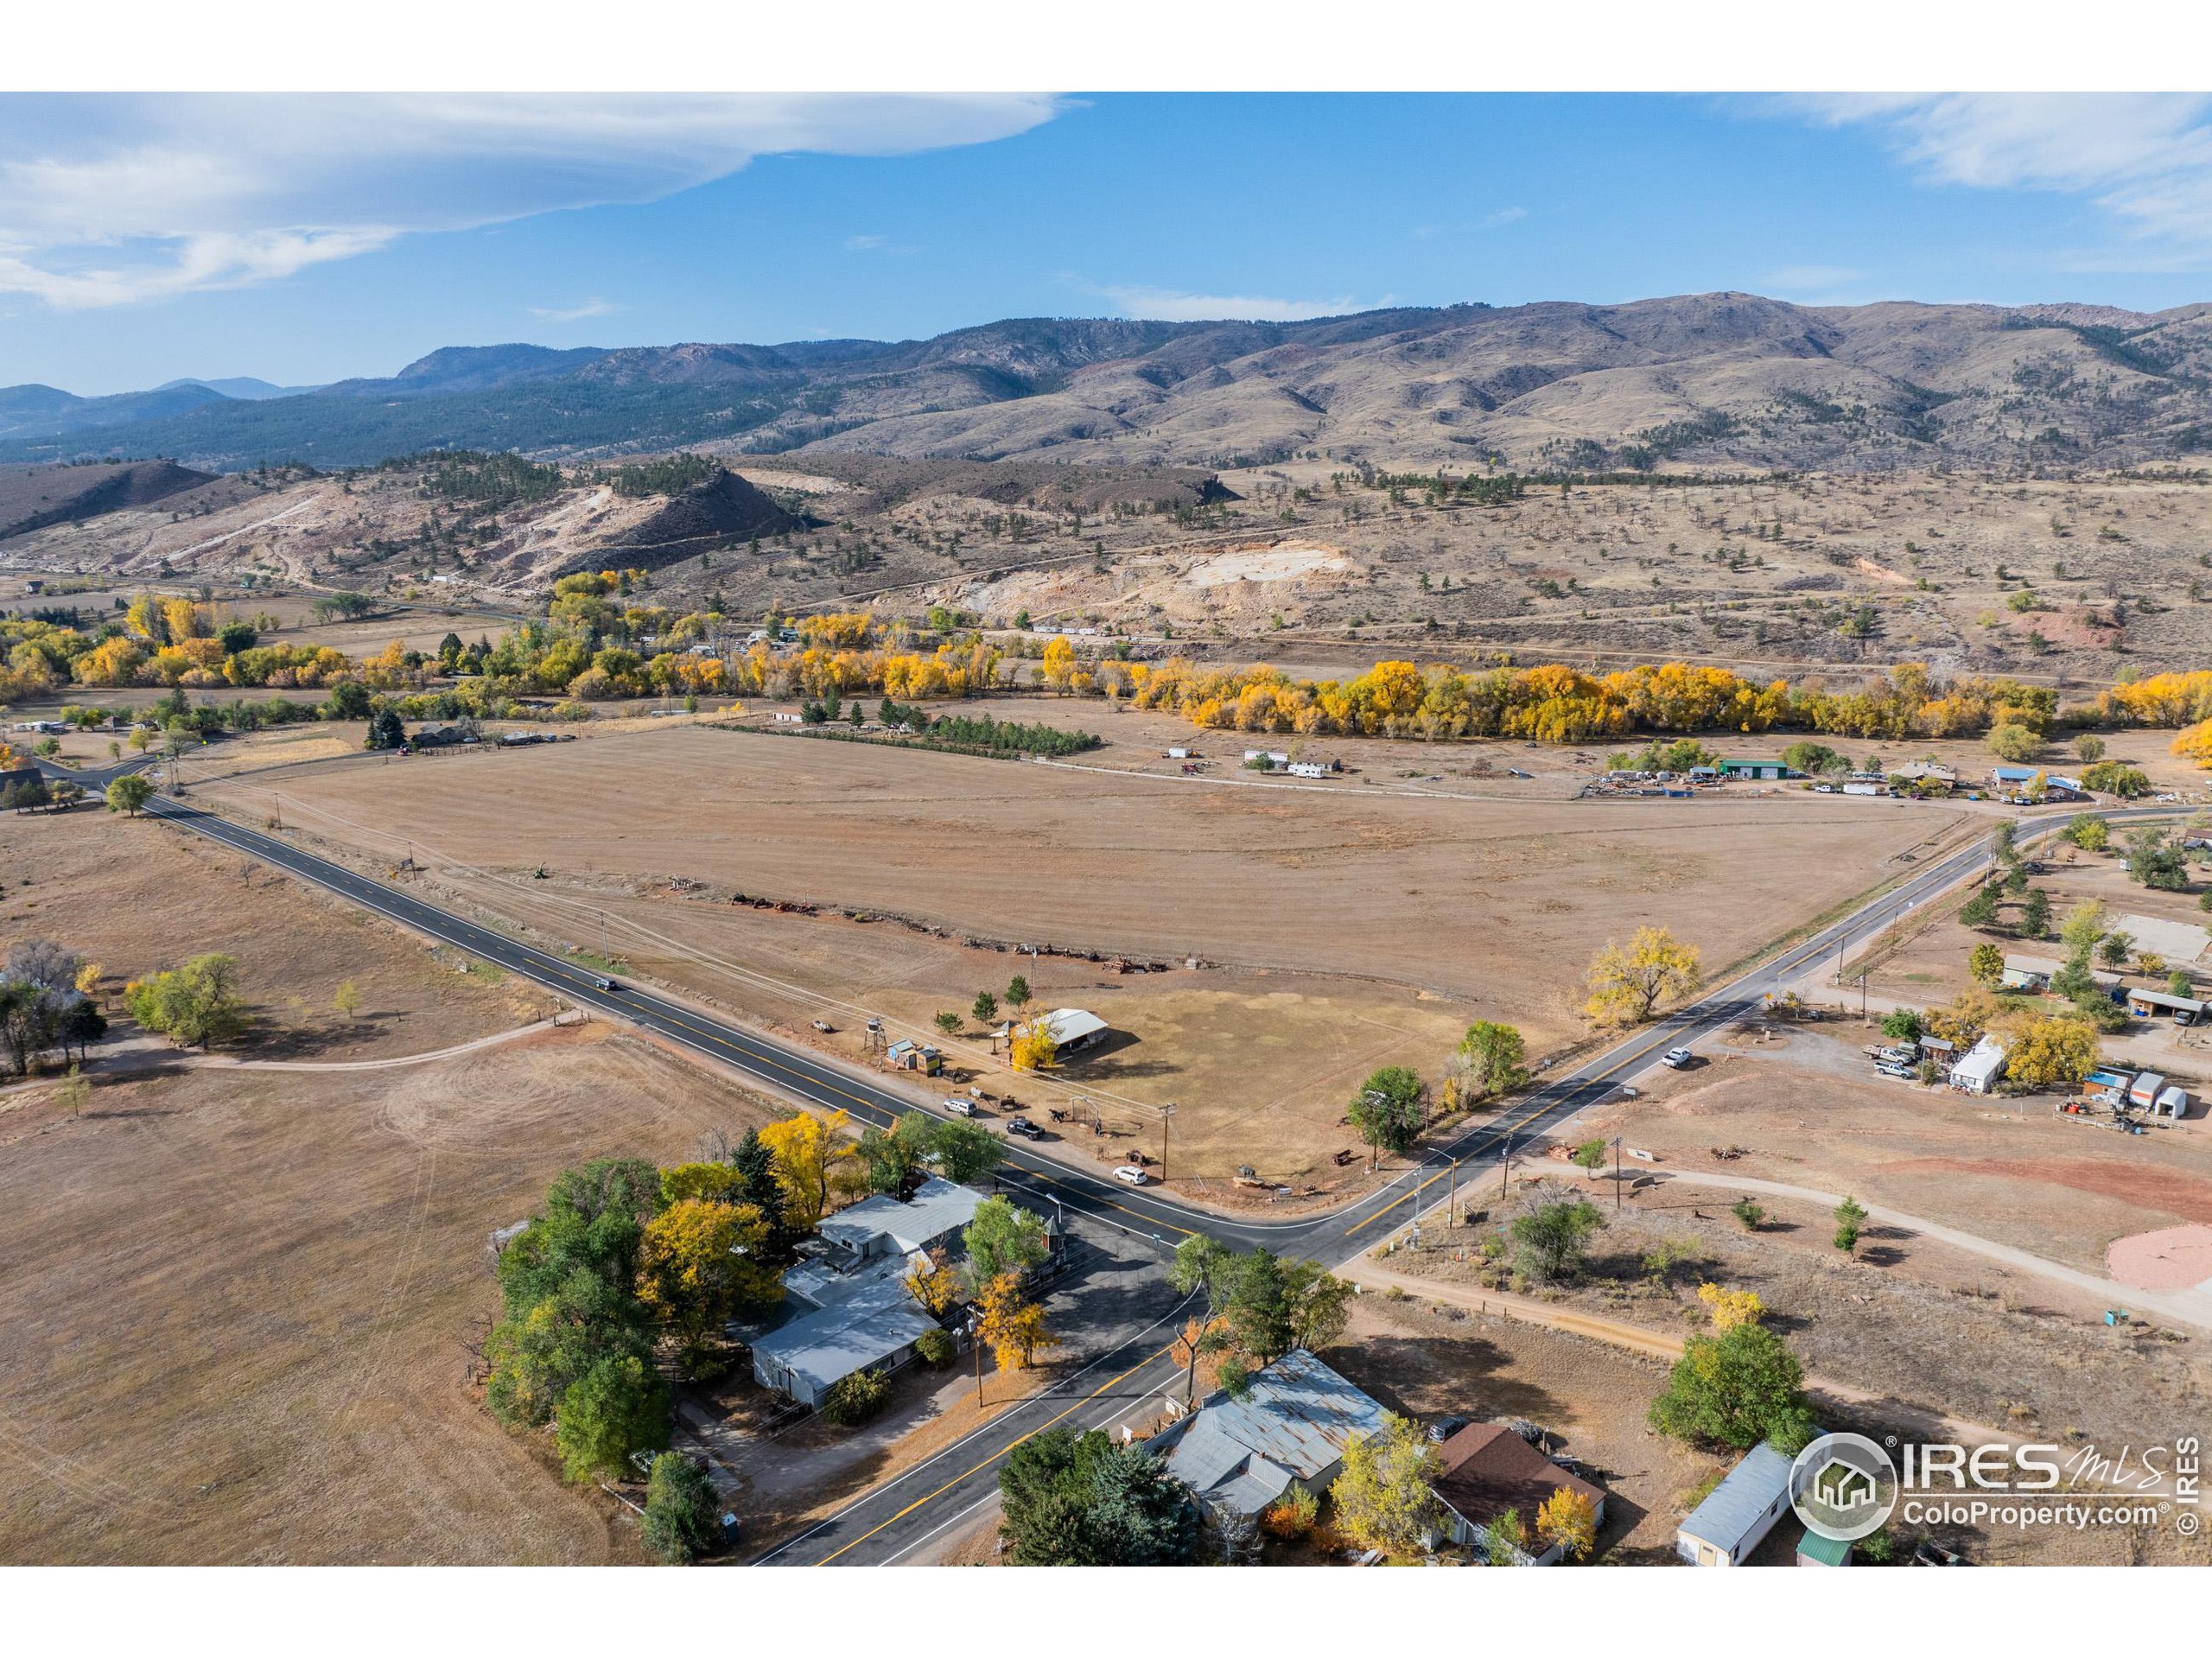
148,238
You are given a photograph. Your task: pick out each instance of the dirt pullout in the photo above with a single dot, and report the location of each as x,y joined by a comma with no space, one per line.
2172,1258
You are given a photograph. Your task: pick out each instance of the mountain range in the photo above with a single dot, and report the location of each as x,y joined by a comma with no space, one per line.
1706,381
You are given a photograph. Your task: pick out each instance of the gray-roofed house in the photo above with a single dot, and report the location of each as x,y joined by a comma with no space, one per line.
871,1322
884,1225
1739,1513
852,1311
1291,1428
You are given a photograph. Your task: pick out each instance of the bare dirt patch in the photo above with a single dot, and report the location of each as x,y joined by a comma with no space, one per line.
2010,1170
2172,1258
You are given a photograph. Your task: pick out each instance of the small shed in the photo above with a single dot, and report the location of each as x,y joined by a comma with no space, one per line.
1940,1052
1816,1550
1738,1513
907,1055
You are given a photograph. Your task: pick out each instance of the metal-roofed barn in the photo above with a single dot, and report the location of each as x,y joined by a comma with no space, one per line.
1073,1028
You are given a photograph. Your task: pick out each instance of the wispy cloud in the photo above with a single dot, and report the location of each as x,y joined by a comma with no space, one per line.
2145,158
1173,305
878,245
1492,221
594,306
109,199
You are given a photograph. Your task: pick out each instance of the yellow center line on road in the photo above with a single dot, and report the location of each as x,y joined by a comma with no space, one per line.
1642,1054
994,1458
1053,1180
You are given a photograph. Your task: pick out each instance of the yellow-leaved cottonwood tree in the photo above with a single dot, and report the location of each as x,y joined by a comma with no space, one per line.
804,1151
1383,1498
1628,983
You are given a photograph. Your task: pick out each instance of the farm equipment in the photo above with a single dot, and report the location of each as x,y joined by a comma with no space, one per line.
2100,1111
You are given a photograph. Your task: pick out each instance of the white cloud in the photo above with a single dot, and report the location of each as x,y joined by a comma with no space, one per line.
878,245
1171,305
1492,221
109,199
594,306
2146,158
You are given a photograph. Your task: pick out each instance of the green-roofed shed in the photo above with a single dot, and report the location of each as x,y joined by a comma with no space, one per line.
1813,1550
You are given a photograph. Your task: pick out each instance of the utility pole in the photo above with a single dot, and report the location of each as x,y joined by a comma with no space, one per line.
1165,1112
1452,1209
1617,1174
1505,1168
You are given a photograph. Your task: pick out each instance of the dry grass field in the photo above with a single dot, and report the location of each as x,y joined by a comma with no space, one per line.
241,1305
1345,926
136,896
243,1308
